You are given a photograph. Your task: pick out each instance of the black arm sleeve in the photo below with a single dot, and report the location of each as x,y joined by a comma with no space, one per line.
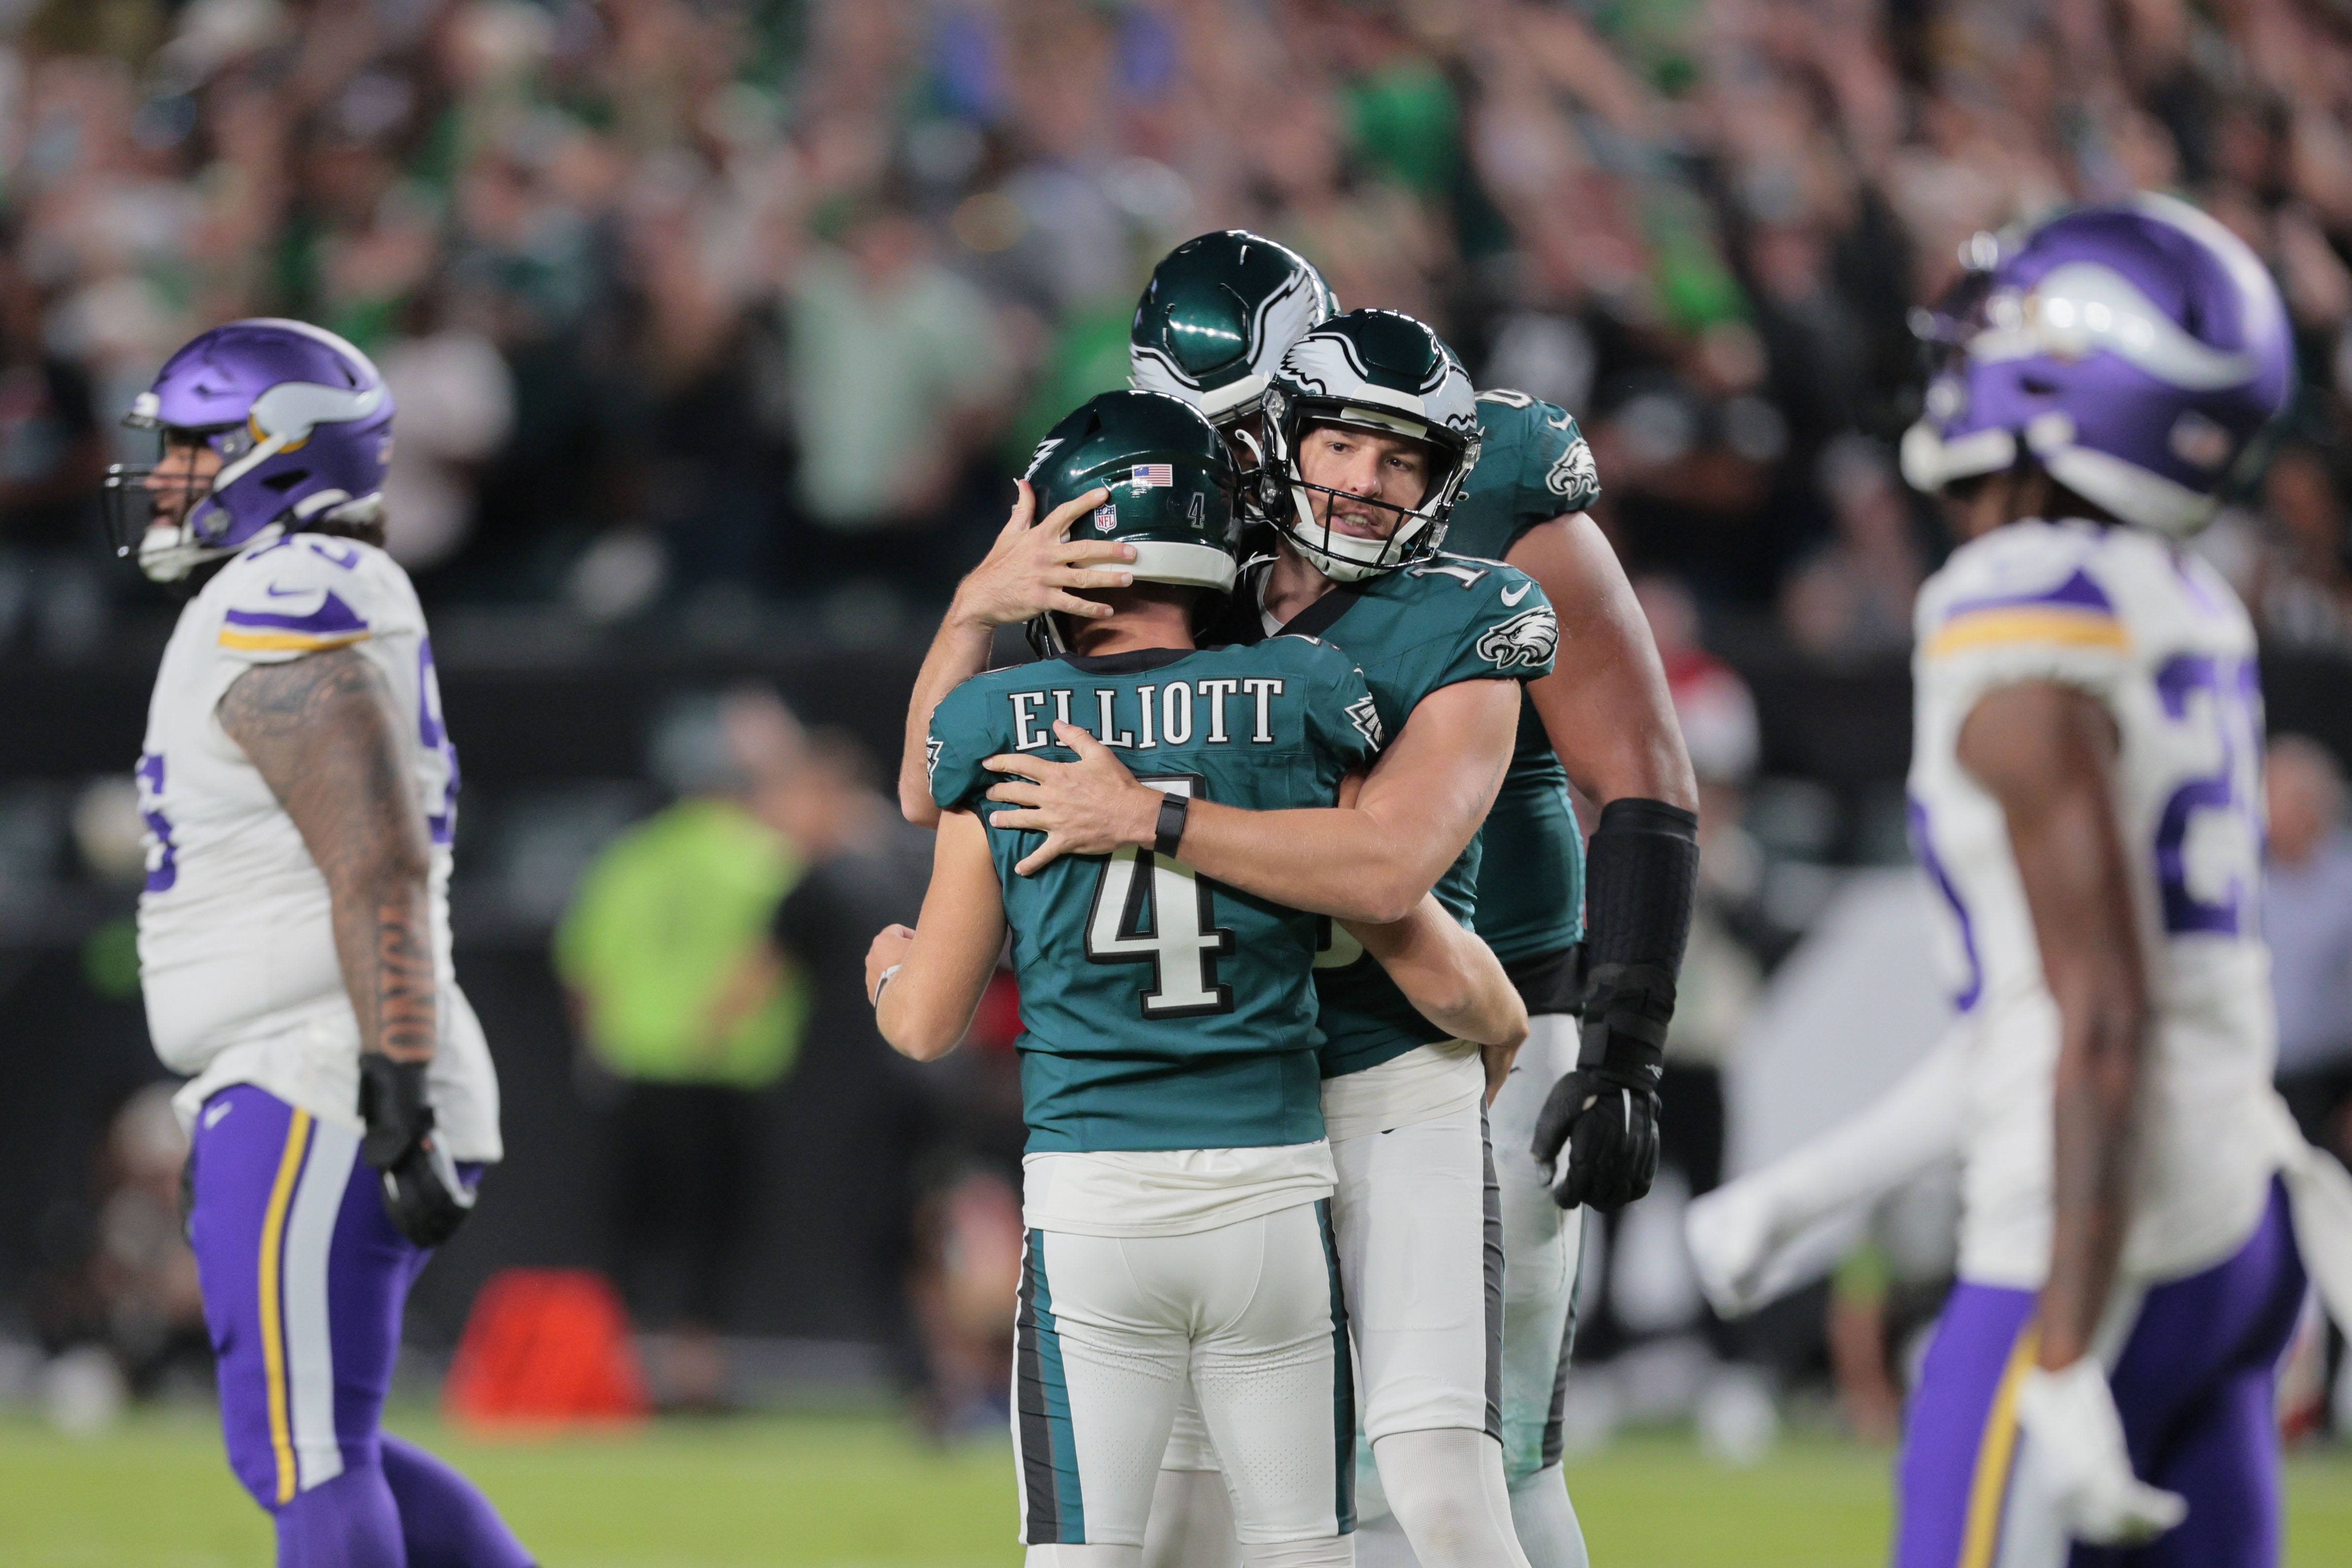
1641,880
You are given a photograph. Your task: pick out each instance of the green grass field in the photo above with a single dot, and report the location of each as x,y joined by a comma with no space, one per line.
857,1492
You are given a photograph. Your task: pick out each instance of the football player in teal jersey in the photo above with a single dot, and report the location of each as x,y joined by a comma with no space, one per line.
1602,719
1369,432
1177,1181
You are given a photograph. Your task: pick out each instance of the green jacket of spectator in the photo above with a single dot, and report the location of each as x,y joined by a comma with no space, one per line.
665,947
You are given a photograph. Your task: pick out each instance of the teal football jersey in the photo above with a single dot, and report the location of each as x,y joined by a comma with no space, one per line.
1412,631
1160,1009
1534,466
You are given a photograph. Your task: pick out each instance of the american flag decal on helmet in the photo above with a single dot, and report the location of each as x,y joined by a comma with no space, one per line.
1151,476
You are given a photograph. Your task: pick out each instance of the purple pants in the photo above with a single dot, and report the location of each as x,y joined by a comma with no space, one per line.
2195,1388
304,1280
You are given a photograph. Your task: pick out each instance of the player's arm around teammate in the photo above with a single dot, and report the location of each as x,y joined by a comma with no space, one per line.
926,980
1034,568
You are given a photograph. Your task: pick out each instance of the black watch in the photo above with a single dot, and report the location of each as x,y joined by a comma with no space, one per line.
1171,830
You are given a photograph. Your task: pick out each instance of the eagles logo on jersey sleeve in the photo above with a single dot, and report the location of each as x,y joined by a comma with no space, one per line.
1508,627
2024,603
1534,465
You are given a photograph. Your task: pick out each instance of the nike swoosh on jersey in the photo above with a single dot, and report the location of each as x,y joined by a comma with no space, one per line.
212,1117
1513,596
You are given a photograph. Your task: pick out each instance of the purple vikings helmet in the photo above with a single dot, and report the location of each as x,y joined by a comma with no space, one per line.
302,423
2134,350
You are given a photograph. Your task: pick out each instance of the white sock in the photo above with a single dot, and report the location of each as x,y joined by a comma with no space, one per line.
1445,1488
1192,1523
1546,1521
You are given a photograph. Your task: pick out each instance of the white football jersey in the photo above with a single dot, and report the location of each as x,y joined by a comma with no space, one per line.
237,948
2158,638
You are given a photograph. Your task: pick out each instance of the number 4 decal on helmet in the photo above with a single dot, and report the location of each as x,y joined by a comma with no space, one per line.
1184,941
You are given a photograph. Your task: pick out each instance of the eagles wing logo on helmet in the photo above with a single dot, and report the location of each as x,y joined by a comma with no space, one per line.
1219,313
1041,457
1530,638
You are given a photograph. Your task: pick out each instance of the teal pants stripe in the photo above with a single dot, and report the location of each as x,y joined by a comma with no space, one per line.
1049,1452
1343,1381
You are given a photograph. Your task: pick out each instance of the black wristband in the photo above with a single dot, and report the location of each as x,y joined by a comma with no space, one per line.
1171,830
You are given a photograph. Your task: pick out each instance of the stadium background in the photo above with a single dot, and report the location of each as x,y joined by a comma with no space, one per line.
717,330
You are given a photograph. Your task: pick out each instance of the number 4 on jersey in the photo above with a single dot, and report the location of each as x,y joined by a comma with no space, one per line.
1184,941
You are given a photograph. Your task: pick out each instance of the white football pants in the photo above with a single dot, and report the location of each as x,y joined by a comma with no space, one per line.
1112,1329
1420,1229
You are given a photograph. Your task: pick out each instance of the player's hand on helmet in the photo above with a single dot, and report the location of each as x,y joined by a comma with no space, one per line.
1597,1139
423,1196
1091,806
1029,571
2074,1442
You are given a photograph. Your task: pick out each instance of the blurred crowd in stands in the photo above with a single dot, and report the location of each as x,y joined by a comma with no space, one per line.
692,304
686,299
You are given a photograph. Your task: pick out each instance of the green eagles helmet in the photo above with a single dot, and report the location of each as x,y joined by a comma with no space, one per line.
1370,370
1172,483
1219,313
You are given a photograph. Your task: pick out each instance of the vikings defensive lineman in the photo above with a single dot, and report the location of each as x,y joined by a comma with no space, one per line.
300,792
2086,789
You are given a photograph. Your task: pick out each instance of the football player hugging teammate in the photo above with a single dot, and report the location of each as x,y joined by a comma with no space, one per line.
1179,1183
299,791
1358,438
2086,789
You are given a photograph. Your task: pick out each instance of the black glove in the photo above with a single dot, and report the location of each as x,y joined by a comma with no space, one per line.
1605,1110
423,1196
1609,1123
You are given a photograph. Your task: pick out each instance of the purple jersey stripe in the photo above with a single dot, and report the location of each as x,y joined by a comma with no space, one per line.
329,618
2076,593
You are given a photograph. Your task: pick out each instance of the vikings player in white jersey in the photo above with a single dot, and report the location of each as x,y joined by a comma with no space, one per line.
2085,803
300,792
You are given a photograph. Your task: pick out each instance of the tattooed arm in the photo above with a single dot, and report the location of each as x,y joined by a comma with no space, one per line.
325,733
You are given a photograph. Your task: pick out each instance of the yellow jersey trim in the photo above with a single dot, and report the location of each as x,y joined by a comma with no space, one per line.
1994,628
287,642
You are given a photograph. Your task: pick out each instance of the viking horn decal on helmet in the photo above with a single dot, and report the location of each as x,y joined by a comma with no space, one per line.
2133,352
301,419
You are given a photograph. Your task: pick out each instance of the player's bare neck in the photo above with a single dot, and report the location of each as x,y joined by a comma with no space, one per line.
1136,622
1292,584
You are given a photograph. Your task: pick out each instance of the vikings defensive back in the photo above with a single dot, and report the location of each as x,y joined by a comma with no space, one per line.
300,792
2085,788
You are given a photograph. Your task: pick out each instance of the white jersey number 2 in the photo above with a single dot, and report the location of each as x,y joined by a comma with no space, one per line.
1184,941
